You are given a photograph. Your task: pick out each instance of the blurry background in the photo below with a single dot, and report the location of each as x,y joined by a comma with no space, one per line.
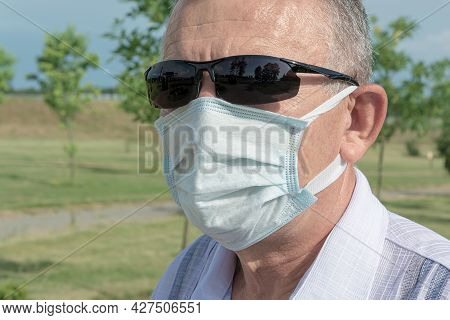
71,104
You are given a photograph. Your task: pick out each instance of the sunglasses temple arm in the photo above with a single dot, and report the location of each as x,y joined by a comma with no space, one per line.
306,68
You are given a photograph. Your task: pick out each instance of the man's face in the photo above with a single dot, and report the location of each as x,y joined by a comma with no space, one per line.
203,30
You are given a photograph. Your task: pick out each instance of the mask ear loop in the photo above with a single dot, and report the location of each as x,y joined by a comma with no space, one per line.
328,105
324,215
338,165
332,224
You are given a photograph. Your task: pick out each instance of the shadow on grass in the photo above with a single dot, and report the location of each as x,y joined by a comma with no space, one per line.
104,170
27,266
424,219
18,177
139,295
99,170
405,204
424,211
100,293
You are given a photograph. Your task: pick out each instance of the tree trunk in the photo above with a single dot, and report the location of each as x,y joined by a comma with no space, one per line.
71,151
380,167
185,232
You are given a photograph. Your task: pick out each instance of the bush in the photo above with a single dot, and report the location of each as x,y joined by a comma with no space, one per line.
10,291
412,148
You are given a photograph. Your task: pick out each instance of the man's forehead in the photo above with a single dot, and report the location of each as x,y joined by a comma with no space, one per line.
202,30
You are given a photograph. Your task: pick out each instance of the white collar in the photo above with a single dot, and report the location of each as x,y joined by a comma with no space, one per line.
345,266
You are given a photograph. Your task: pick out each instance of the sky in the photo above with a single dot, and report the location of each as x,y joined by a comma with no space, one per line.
95,17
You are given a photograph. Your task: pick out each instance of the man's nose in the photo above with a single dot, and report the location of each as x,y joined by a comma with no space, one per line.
208,88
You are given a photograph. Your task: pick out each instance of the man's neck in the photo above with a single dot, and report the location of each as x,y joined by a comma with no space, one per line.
272,268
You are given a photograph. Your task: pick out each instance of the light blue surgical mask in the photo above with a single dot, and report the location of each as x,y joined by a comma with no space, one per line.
234,169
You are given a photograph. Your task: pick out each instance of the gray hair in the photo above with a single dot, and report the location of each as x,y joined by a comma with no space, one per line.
349,44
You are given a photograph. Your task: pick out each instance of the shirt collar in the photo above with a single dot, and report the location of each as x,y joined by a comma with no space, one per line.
217,276
346,265
344,268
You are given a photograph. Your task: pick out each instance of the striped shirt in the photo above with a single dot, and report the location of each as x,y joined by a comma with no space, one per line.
371,253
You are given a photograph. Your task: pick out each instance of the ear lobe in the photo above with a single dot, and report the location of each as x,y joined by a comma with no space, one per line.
367,113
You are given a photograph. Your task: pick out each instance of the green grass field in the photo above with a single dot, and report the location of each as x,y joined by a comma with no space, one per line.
127,261
33,173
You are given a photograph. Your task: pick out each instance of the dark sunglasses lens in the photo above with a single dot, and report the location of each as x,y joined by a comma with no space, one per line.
172,84
255,80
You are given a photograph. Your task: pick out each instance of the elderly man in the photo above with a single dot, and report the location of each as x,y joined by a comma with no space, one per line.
266,108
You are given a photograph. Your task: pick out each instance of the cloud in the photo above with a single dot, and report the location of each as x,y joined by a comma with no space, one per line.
430,46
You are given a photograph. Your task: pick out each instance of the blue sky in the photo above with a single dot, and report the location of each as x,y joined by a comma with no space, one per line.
94,18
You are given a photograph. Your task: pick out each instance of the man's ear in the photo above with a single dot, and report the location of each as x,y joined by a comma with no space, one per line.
367,112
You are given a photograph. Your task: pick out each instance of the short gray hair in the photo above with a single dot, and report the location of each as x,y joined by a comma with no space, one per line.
350,46
349,43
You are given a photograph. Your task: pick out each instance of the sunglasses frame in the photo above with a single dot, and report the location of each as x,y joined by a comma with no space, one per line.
296,67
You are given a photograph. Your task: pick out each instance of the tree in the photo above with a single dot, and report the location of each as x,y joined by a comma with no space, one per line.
408,109
443,142
440,96
6,72
62,66
417,92
138,48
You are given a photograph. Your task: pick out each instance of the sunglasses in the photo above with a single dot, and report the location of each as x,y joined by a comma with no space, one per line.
245,80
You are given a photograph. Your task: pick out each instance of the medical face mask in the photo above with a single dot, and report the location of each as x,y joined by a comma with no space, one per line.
234,169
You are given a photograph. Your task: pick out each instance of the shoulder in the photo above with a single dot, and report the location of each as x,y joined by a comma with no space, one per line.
418,239
183,268
418,262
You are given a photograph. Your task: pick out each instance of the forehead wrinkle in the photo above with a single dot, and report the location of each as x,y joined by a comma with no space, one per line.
204,31
280,28
252,45
197,26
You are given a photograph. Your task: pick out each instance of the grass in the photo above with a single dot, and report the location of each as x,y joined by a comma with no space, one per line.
125,263
30,118
432,212
33,173
402,172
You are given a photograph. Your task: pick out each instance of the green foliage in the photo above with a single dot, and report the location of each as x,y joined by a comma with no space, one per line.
10,291
440,100
439,75
70,149
138,48
417,92
412,148
6,72
62,66
389,62
443,142
419,96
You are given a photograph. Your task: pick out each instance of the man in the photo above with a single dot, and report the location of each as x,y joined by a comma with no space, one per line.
287,217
